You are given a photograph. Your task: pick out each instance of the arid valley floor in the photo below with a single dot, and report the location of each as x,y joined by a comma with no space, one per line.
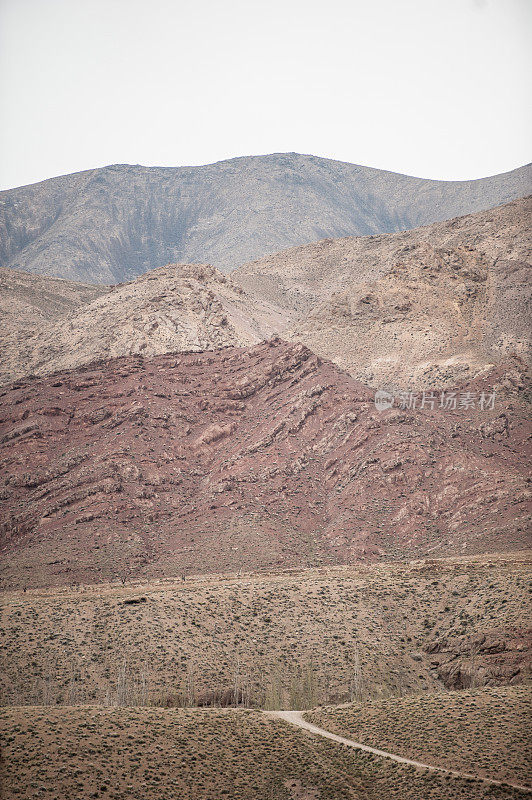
428,660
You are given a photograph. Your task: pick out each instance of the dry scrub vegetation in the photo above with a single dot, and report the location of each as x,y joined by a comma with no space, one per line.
145,754
482,731
279,640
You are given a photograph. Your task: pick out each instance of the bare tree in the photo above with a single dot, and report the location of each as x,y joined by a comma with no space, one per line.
121,685
47,690
190,687
356,688
236,680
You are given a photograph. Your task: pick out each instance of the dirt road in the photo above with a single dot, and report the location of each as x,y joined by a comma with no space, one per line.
296,718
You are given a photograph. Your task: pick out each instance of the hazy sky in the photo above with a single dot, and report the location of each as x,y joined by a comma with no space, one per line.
433,88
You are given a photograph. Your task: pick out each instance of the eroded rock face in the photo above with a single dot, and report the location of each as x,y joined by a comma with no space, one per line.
245,459
493,659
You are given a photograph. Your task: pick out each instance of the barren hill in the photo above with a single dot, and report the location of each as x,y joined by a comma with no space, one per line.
255,457
111,224
438,304
177,307
432,305
28,302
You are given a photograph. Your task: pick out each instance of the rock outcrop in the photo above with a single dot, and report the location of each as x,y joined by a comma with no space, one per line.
438,304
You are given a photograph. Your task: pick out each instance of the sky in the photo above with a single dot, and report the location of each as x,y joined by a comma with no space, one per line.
431,88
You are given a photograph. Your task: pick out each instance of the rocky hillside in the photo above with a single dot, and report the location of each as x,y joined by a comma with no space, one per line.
438,304
30,302
434,305
109,225
249,458
173,308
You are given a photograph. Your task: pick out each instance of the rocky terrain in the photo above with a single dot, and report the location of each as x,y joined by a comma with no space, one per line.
29,302
435,305
261,457
111,224
29,306
197,513
173,308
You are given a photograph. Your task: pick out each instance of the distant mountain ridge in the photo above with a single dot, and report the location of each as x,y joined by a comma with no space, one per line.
111,224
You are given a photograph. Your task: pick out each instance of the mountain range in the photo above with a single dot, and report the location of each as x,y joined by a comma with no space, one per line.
189,418
433,306
111,224
303,483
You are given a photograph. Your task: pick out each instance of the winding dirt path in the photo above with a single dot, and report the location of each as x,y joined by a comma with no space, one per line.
296,718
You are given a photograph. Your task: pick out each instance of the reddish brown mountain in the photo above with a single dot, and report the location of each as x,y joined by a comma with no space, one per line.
247,458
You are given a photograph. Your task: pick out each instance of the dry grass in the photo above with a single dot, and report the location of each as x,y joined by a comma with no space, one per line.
485,731
150,754
292,638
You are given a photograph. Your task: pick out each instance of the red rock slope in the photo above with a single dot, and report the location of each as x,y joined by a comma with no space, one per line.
244,459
